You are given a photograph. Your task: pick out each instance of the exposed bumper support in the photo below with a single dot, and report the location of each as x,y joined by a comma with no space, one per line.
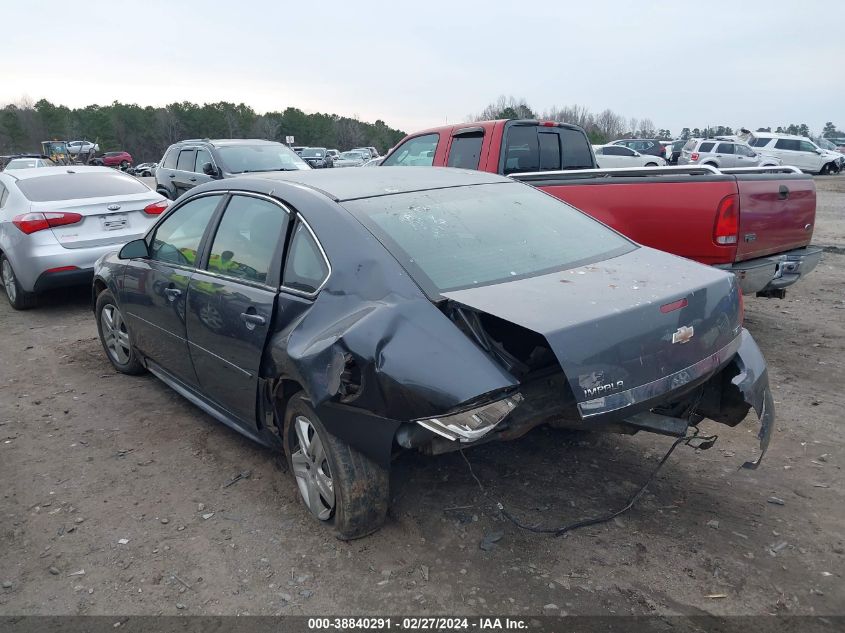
776,272
753,382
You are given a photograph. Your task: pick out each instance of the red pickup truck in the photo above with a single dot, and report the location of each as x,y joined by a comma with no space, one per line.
757,222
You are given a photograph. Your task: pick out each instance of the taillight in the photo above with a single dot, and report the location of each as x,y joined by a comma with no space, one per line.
694,156
32,222
726,228
156,208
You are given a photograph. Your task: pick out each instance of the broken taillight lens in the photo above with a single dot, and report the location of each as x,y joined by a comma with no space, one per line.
726,229
473,424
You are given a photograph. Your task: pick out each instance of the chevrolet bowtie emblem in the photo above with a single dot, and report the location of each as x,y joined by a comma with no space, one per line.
683,334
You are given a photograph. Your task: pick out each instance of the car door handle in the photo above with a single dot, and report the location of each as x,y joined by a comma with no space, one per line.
193,179
252,319
173,175
783,192
172,293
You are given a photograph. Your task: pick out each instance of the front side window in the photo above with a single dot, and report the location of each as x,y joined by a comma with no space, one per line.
415,152
465,151
464,237
305,268
742,150
522,151
806,146
203,157
186,160
247,238
177,239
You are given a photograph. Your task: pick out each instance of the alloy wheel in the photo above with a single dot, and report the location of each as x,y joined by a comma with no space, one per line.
9,281
312,471
115,335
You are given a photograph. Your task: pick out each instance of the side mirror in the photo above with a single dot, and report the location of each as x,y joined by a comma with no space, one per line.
134,250
208,169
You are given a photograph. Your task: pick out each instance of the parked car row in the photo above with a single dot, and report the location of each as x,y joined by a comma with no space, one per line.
321,157
343,317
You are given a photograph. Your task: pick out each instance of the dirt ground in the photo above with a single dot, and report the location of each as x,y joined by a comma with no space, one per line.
114,498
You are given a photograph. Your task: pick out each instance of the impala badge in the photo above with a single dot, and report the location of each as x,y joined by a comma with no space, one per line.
683,334
113,207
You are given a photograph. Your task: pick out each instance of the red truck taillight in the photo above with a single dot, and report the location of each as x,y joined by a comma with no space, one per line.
726,229
30,223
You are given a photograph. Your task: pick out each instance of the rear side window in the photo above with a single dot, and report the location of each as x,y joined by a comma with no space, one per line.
186,160
706,147
788,143
759,142
576,149
465,151
415,152
84,185
247,238
725,148
4,194
522,151
169,161
305,269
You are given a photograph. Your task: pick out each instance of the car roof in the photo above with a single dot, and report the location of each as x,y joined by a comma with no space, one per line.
779,135
38,172
223,142
351,184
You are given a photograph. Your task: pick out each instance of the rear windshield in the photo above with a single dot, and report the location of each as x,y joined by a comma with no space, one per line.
76,186
241,159
464,237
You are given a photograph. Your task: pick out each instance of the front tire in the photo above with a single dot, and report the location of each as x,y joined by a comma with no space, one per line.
651,164
18,298
339,485
114,335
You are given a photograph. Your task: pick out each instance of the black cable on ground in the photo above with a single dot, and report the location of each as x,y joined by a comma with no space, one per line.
703,442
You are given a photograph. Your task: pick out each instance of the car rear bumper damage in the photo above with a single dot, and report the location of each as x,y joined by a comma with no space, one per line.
769,275
723,387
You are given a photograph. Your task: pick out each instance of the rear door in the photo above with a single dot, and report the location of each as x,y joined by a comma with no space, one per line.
185,178
155,287
725,154
776,214
231,298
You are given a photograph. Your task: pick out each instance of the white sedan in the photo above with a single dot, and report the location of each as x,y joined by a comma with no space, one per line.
608,156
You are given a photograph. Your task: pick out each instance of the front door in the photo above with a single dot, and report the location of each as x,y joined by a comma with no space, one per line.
231,299
155,288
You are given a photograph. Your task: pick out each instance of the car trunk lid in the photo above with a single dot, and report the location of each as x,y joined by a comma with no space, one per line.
105,221
621,323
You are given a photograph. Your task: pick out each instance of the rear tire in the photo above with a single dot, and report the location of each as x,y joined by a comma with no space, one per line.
114,336
339,485
18,298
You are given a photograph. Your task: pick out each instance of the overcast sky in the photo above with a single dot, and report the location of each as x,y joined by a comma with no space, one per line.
418,64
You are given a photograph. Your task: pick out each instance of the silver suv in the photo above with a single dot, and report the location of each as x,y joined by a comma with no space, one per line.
718,152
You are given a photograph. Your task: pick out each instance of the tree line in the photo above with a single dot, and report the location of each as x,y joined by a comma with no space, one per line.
607,125
146,131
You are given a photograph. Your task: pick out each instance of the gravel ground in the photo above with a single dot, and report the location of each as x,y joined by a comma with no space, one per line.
114,499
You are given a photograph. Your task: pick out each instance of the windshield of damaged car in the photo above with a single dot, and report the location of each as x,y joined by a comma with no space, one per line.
462,237
242,159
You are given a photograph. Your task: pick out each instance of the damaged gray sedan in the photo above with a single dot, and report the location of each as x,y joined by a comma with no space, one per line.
343,317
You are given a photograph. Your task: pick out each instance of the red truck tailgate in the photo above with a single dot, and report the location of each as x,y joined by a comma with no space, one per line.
671,214
774,215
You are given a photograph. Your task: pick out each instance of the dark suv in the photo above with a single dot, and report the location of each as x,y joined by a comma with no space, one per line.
187,164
